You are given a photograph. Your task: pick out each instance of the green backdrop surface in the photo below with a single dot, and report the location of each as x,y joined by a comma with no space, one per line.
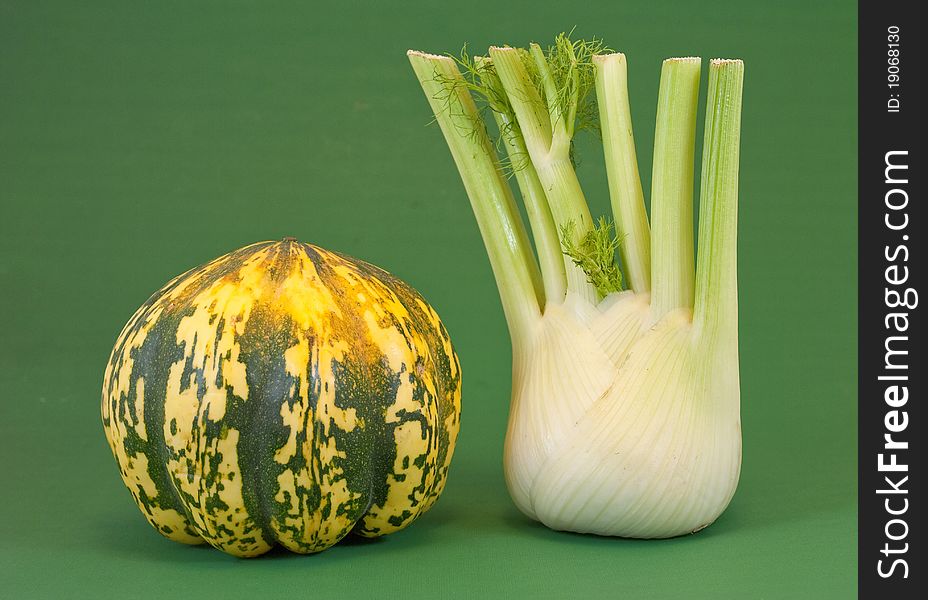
140,139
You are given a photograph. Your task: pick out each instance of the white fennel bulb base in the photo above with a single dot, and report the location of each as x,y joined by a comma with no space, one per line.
643,439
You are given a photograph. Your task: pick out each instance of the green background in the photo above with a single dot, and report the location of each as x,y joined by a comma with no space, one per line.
140,139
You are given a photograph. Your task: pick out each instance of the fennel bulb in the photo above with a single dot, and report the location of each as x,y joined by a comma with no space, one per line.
625,413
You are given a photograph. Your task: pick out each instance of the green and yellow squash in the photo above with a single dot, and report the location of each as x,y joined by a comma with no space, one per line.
282,394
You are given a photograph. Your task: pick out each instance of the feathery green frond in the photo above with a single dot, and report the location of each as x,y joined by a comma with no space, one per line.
595,255
574,74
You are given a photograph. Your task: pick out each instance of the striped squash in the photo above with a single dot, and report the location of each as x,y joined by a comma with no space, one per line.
282,394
